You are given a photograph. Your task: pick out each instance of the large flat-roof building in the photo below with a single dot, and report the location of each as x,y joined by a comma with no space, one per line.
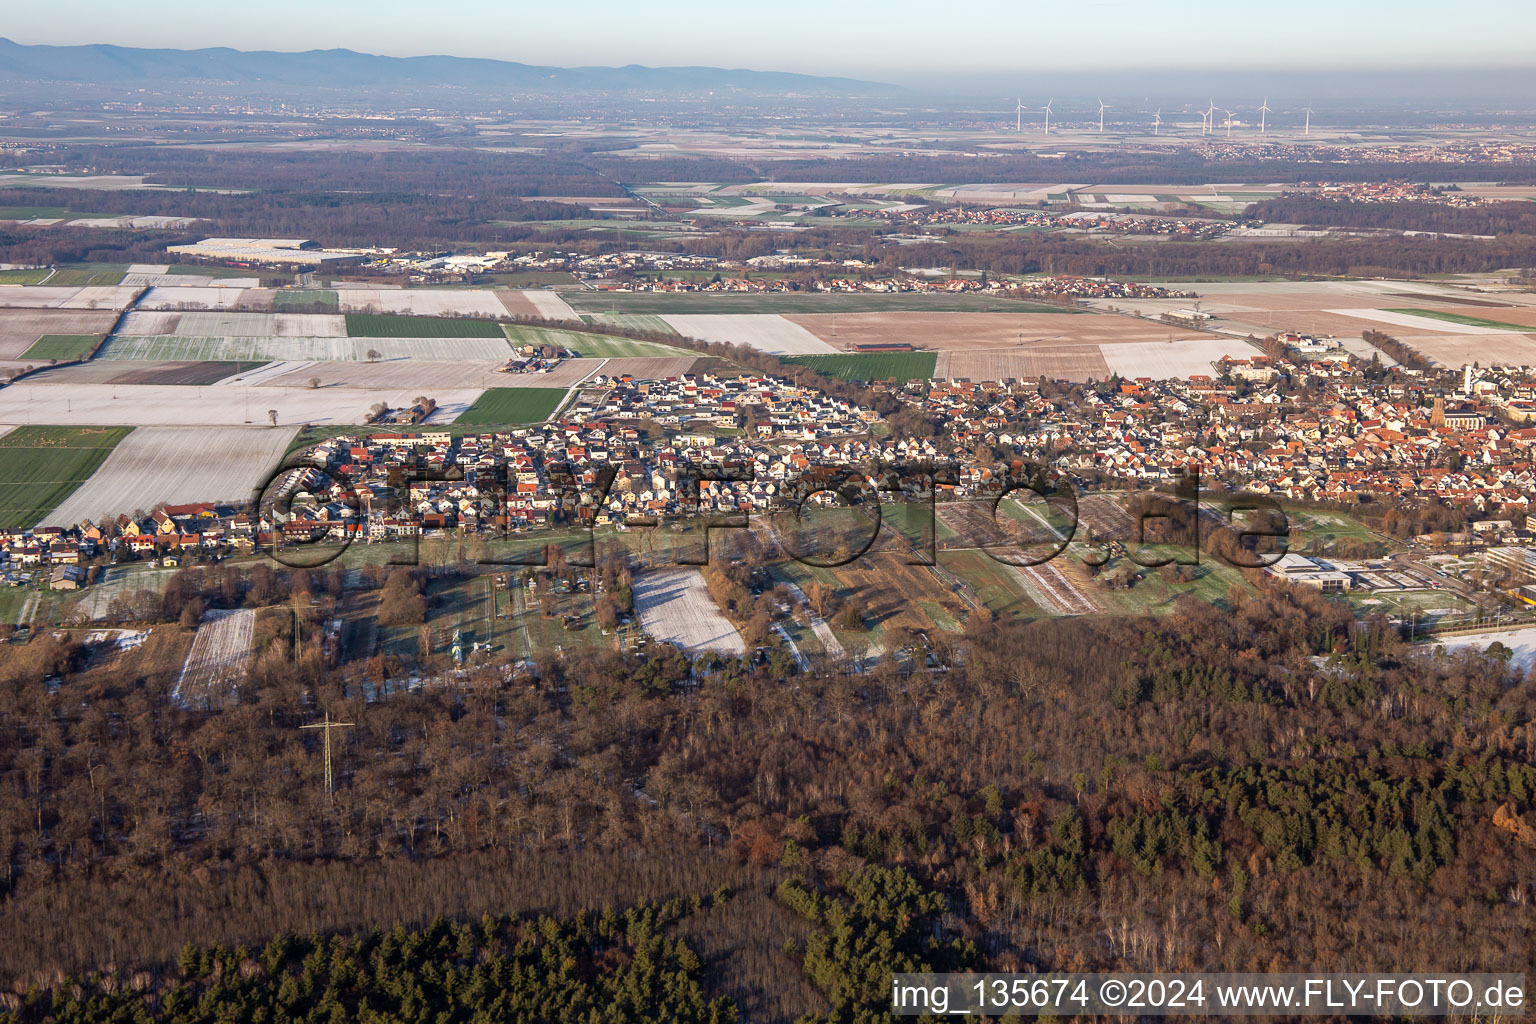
298,252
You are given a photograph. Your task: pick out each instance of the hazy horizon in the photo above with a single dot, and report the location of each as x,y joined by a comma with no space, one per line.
900,42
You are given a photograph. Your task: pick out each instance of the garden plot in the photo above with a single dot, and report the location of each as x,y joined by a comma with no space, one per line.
175,466
421,302
765,332
178,406
675,607
1165,360
173,348
550,305
216,664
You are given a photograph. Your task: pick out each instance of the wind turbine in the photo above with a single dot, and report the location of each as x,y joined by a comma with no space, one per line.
1263,114
1157,120
1229,122
1019,111
1208,119
1308,129
1047,109
1102,108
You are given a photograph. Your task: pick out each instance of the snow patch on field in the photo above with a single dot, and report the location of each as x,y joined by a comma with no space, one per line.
1521,641
179,406
176,466
765,332
675,607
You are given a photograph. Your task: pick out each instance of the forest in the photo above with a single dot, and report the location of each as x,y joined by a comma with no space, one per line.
1263,783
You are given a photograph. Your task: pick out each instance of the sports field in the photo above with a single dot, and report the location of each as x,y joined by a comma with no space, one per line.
512,405
903,366
62,346
42,466
588,346
383,325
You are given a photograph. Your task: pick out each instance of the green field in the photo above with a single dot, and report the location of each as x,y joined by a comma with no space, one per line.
631,321
22,276
865,366
41,466
31,212
798,302
1469,321
512,405
383,325
88,275
309,301
63,346
590,346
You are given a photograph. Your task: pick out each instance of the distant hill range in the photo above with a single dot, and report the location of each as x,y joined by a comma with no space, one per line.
345,70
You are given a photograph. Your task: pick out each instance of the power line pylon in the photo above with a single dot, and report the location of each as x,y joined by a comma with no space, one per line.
328,725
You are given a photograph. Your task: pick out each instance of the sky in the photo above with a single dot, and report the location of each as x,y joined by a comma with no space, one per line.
898,41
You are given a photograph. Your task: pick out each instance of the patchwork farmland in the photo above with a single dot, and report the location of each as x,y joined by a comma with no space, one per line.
176,465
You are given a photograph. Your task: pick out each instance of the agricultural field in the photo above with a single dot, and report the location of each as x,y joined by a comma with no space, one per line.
1163,360
422,302
972,332
1417,320
20,329
119,372
62,347
373,325
665,303
216,664
512,405
22,277
89,275
162,348
176,466
222,405
903,366
287,299
675,608
588,346
773,334
631,321
1467,321
1486,349
1057,362
400,373
549,305
42,466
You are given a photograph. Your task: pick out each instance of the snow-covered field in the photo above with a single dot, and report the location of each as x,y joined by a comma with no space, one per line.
675,607
1426,324
215,665
177,406
765,332
176,465
1163,360
1521,641
421,302
550,305
220,347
